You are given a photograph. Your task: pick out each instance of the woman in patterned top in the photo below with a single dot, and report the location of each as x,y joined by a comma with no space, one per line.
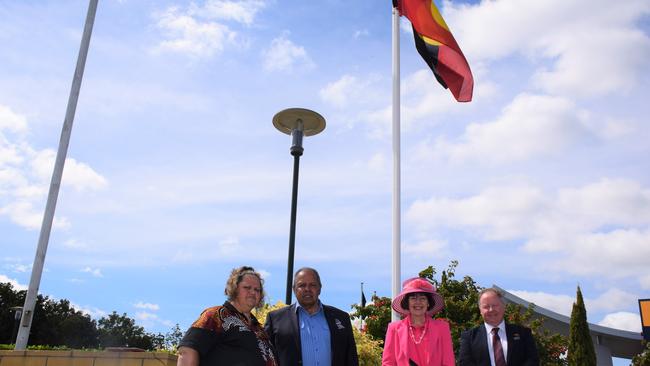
229,334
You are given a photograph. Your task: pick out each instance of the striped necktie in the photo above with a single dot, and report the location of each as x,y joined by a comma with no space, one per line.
499,359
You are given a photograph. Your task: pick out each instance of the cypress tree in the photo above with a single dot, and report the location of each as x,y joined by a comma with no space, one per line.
581,349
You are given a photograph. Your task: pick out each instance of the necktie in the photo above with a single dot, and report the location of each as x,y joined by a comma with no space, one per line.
499,359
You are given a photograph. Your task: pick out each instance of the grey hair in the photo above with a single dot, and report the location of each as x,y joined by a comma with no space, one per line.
303,269
493,290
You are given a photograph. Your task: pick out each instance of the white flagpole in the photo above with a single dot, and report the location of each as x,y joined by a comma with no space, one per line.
396,163
57,174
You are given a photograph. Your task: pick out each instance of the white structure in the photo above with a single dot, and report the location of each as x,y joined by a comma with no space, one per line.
608,342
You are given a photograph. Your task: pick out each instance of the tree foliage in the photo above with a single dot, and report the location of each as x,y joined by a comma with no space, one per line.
8,299
643,358
55,323
59,324
581,348
120,331
369,349
376,315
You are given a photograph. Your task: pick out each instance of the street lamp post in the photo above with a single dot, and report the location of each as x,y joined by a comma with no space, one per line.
297,122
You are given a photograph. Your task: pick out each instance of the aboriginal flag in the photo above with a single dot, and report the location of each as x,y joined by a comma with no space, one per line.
438,48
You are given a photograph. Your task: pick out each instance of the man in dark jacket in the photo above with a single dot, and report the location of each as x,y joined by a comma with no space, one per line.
496,343
310,333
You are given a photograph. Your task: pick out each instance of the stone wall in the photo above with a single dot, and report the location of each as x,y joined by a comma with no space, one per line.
85,358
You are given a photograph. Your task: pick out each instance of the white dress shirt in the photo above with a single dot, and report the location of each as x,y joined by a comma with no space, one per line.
504,340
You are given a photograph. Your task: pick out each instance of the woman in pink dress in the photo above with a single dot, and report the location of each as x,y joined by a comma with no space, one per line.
418,339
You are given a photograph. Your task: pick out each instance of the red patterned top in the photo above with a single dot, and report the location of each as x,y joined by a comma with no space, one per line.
224,336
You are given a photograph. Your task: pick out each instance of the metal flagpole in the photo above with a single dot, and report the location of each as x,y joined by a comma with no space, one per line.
57,174
396,163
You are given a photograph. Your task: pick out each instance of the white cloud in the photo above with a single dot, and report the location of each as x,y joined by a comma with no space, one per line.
622,320
360,100
424,98
606,222
342,92
560,304
361,33
532,125
568,34
25,175
17,286
76,175
644,281
621,253
92,311
200,32
74,244
501,213
148,320
20,268
11,121
284,55
229,245
26,215
240,11
95,272
193,37
264,273
610,300
146,305
378,163
432,247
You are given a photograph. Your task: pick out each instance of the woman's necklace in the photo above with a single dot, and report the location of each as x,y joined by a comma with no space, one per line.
424,332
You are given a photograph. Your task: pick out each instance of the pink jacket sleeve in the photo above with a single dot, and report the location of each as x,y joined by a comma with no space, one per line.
389,357
447,346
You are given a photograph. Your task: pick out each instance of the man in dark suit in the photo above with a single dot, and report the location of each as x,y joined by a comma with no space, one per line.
310,333
496,343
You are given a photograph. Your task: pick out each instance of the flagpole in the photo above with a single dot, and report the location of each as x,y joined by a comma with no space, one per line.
396,163
57,174
362,306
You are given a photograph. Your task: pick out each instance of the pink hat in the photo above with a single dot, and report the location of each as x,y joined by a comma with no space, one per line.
418,285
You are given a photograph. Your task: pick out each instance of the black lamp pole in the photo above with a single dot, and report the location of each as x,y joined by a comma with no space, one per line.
297,122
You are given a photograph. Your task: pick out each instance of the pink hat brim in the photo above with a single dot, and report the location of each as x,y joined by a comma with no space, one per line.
438,301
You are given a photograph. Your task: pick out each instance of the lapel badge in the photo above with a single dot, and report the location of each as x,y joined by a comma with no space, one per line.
516,337
338,324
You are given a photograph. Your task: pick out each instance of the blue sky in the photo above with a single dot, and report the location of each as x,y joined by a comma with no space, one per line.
175,174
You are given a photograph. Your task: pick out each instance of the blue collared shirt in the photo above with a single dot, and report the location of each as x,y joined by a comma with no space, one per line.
314,337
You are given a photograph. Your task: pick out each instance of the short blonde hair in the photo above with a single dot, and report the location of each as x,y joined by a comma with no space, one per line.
236,276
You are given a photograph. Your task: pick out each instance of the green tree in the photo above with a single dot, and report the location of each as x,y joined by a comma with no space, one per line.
173,338
581,349
643,358
55,323
120,331
550,346
369,349
8,299
376,315
79,331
